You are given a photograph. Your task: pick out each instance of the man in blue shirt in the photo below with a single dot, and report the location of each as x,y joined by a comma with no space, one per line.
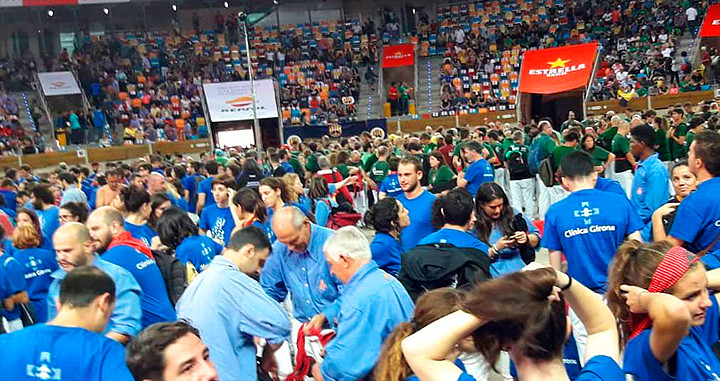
478,172
284,156
204,189
230,309
13,291
651,186
71,344
105,225
697,221
170,351
74,248
416,200
216,220
297,266
390,186
43,202
372,303
589,225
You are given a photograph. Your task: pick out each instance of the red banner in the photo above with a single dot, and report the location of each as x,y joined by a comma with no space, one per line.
48,3
711,24
554,70
398,55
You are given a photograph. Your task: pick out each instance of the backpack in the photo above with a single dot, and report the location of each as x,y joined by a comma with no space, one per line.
536,155
547,175
517,166
173,272
341,215
429,267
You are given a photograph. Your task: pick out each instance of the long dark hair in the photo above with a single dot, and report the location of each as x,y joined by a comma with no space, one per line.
156,201
431,306
174,226
523,318
483,225
249,201
383,216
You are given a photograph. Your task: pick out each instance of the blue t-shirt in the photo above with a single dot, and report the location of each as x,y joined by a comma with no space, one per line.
509,259
588,226
141,232
323,210
39,265
205,187
571,360
155,303
12,281
455,237
598,368
49,220
217,222
420,209
10,198
607,185
199,250
189,183
694,357
49,352
387,252
391,185
477,174
698,221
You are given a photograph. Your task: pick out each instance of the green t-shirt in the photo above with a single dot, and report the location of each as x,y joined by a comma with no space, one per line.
591,123
439,177
558,154
608,136
458,148
430,147
379,171
569,123
547,144
689,139
368,161
295,164
661,145
620,145
600,156
343,169
677,150
311,165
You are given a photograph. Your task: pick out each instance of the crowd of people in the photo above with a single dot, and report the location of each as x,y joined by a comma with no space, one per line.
253,265
482,45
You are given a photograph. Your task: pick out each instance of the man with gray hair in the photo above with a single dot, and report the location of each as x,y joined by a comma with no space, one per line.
297,266
372,304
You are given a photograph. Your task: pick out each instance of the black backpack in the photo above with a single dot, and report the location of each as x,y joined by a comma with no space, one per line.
517,166
174,274
429,267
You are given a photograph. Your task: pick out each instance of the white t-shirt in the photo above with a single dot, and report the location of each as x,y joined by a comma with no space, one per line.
691,14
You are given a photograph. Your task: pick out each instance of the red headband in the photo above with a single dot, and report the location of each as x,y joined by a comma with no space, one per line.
671,269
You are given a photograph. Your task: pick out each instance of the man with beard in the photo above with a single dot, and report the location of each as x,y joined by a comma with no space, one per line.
116,245
74,248
416,200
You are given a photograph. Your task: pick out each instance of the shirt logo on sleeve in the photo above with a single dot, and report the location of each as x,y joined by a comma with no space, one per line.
44,371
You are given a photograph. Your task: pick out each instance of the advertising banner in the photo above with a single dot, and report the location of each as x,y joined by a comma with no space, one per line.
711,25
232,101
376,127
398,55
58,83
555,70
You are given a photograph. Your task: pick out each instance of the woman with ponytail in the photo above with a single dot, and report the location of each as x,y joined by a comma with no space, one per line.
668,320
431,306
529,322
248,209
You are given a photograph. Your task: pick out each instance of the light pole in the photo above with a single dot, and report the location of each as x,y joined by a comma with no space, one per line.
242,17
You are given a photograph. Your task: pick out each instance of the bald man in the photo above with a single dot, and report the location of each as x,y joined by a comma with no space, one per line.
74,248
115,245
297,265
